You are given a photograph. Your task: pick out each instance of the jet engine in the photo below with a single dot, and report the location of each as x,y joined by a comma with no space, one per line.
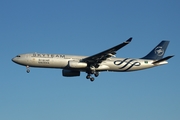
70,73
76,64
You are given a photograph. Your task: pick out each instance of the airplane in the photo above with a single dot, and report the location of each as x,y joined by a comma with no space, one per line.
73,65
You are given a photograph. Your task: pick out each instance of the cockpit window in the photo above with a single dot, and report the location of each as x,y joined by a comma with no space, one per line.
18,56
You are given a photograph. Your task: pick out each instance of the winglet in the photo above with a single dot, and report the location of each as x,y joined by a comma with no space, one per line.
129,40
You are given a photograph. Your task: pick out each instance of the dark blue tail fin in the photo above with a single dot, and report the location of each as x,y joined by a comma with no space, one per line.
158,52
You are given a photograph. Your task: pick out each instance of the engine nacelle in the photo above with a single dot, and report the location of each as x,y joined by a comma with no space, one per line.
70,73
76,64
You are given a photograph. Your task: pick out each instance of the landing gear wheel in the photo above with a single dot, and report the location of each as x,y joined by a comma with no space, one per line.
92,79
96,74
28,71
88,77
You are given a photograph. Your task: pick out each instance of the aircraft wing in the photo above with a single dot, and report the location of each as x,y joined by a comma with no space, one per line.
98,58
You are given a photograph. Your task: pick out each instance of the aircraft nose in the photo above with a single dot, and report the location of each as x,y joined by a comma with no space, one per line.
13,59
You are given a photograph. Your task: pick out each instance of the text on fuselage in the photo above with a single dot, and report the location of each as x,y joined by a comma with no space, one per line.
48,55
43,61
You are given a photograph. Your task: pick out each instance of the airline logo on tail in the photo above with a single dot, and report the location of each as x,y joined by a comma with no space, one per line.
159,51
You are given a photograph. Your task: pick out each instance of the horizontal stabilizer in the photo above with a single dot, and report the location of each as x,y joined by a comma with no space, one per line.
164,59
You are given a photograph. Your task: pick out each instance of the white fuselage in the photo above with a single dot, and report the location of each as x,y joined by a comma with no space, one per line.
73,65
74,62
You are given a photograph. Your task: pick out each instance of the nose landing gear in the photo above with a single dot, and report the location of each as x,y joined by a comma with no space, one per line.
27,69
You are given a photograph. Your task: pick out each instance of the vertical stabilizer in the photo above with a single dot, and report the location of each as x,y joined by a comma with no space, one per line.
158,52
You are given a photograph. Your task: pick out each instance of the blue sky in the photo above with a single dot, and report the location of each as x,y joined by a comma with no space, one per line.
85,27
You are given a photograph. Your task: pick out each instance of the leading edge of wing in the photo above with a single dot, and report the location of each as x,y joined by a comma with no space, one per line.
107,53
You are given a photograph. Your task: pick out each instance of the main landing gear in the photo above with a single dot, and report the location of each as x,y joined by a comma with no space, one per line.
27,69
96,74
